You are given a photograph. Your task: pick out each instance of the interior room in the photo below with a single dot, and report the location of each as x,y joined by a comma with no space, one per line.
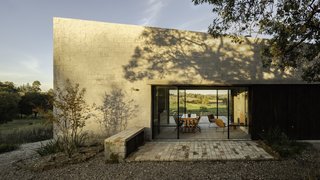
200,113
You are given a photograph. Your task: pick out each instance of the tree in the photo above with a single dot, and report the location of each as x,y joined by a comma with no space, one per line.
27,88
204,100
71,113
33,102
8,87
36,86
293,25
9,99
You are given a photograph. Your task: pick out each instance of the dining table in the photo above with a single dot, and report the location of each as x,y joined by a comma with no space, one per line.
190,124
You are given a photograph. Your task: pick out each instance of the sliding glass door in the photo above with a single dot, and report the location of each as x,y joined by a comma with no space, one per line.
175,106
164,105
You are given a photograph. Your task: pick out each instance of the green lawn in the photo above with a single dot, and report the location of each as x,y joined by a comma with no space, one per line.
201,109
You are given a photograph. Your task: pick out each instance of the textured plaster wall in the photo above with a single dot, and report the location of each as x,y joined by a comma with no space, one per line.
240,107
104,56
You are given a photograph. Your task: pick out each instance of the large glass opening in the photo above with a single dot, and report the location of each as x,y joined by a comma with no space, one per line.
200,112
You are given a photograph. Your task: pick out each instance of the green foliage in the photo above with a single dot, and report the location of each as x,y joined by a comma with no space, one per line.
27,88
8,87
293,26
71,113
114,158
51,147
36,86
203,109
280,142
25,99
8,106
34,102
199,103
4,147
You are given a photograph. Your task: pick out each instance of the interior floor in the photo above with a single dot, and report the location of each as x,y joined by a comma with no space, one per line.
208,131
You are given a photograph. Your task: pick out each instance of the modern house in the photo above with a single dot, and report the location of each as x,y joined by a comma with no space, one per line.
158,69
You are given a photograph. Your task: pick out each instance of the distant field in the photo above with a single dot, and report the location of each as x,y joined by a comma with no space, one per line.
16,132
201,109
20,124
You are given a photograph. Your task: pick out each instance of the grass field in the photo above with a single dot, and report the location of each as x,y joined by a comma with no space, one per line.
19,124
201,104
19,131
201,109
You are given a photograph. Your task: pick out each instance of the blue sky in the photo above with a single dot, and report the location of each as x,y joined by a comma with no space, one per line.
26,28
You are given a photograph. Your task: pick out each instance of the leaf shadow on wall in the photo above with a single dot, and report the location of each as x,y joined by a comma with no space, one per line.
184,56
116,110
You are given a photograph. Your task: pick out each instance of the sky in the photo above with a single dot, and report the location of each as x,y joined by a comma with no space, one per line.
26,28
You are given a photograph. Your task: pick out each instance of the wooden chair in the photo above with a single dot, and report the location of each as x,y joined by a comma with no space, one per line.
196,125
220,124
179,123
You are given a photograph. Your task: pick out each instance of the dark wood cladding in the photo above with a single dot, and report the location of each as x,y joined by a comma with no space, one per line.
295,109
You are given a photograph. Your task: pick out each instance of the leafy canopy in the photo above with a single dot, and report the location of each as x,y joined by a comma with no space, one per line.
293,25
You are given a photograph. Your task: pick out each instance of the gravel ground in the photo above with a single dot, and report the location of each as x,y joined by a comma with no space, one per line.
303,167
25,151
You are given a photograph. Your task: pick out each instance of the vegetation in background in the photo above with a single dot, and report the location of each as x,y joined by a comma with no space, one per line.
9,99
201,104
17,132
292,25
4,147
281,143
32,133
22,102
33,100
71,114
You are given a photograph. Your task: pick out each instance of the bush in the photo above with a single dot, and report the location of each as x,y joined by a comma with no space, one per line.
203,109
281,143
51,147
8,106
71,114
8,147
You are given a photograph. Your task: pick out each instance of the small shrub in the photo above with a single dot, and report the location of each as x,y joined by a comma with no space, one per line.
8,147
71,113
114,158
51,147
281,143
203,109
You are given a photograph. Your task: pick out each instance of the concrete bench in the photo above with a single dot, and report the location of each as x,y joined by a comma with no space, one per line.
119,146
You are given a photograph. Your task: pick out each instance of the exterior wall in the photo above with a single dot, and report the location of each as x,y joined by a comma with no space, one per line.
292,108
103,57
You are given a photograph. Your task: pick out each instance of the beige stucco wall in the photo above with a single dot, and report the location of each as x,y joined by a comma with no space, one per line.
105,56
240,107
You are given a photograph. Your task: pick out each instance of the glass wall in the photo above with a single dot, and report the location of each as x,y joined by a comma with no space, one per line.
164,108
240,114
174,106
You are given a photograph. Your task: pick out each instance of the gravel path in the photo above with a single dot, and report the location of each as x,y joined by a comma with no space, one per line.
25,151
305,166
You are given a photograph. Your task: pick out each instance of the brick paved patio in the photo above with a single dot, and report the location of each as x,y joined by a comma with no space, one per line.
200,150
